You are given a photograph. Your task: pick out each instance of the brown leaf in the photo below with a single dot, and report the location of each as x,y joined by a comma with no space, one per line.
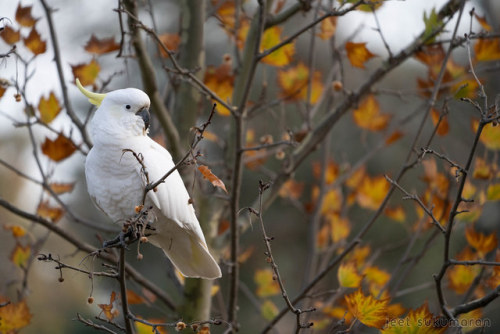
14,316
10,36
443,127
487,49
34,42
108,309
23,16
171,42
58,149
358,54
61,188
133,298
47,211
101,46
220,80
86,73
207,174
49,108
482,21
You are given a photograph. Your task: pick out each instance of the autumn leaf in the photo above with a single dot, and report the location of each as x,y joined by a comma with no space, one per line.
268,310
86,73
101,46
358,54
493,192
444,126
331,172
2,90
280,57
360,254
481,242
142,328
14,316
291,189
23,16
340,227
49,108
225,13
207,174
490,136
398,214
482,21
368,310
34,42
9,35
370,5
47,211
348,275
17,231
487,49
133,298
58,149
108,309
61,188
294,81
266,285
246,254
461,277
20,256
368,115
372,191
171,42
328,27
438,182
420,321
332,200
376,278
466,88
220,80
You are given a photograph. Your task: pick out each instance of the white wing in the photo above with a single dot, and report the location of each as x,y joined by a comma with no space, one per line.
178,231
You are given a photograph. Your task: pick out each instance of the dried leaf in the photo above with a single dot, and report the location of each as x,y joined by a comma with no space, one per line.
482,21
331,172
328,27
23,16
61,188
294,81
398,214
17,231
481,242
246,254
20,256
49,108
487,49
291,189
461,277
108,309
10,36
86,73
14,316
280,57
444,126
490,137
372,191
340,227
358,54
34,42
368,115
207,174
171,42
47,211
368,310
348,275
58,149
133,298
101,46
420,320
266,285
220,80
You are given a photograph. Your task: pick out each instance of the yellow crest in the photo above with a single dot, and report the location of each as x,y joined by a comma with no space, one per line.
94,98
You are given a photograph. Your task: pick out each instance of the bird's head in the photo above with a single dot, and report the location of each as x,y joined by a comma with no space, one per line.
126,109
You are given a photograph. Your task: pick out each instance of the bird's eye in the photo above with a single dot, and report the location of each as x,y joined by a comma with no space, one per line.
128,106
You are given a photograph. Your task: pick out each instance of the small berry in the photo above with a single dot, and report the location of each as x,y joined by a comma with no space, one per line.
280,155
143,240
61,279
90,300
180,326
337,86
140,256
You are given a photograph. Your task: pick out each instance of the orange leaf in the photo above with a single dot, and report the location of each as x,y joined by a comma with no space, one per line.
17,231
438,182
291,189
47,211
376,277
490,137
328,27
293,83
108,309
331,172
266,285
246,254
10,36
420,321
20,256
49,108
220,80
58,149
461,277
133,298
226,14
443,127
348,275
398,214
482,21
101,46
358,54
481,242
34,42
207,174
372,191
280,57
487,49
394,137
62,188
87,73
340,227
23,16
368,310
171,42
14,316
368,115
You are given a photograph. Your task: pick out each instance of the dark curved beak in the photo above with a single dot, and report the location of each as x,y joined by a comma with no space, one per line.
144,114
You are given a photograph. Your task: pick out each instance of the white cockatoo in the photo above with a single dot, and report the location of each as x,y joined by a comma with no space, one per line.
116,179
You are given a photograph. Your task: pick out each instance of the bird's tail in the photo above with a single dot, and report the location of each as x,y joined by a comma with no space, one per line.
187,252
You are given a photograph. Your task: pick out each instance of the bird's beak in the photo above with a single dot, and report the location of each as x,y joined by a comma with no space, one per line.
144,113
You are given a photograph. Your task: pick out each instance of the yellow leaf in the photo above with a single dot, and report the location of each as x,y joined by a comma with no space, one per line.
17,231
220,80
268,310
34,42
490,136
368,115
466,88
358,54
101,46
20,256
23,16
9,35
372,191
86,73
266,285
47,211
328,27
331,172
142,328
294,81
368,310
481,242
348,275
332,200
207,174
419,321
461,277
14,316
398,214
377,276
49,108
487,49
58,149
483,170
493,192
280,57
340,227
360,254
